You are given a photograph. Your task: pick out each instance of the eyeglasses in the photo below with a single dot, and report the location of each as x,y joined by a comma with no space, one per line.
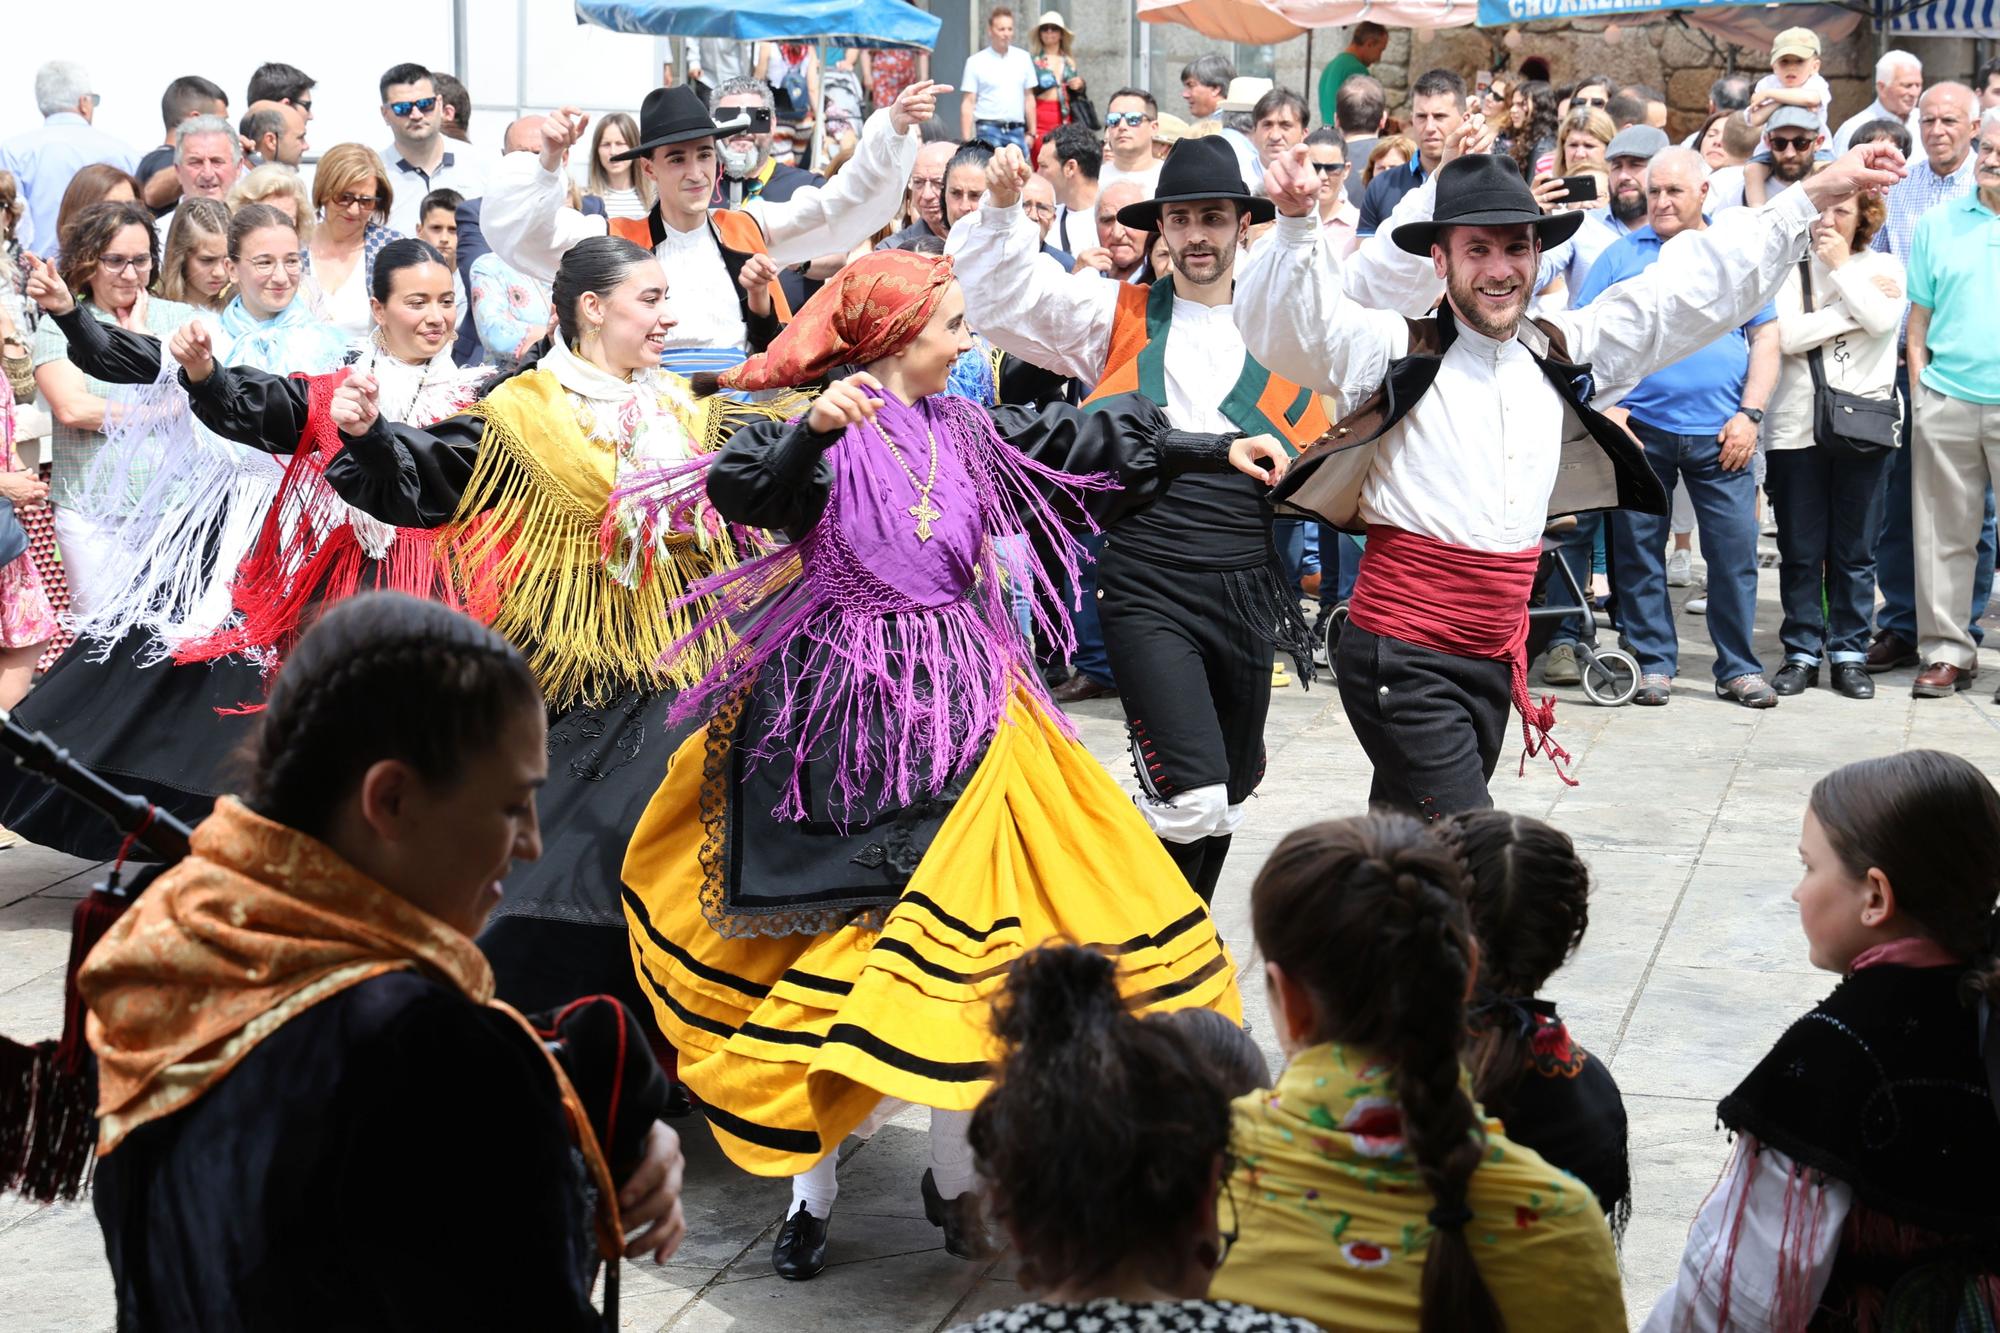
926,185
1117,118
367,201
423,104
1330,168
1034,208
264,265
125,263
1789,143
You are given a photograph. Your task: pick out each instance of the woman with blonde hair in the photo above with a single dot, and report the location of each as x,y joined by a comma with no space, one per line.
196,267
1394,151
282,188
1581,141
352,194
627,192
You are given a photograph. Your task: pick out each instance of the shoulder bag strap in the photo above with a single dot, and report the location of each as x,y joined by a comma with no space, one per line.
1813,362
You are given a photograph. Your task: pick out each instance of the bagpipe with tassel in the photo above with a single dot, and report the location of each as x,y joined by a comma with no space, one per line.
48,1091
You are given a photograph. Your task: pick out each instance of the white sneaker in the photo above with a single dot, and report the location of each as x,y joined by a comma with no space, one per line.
1697,606
1680,569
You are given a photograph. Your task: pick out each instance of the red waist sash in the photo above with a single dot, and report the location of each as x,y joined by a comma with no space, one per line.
1452,599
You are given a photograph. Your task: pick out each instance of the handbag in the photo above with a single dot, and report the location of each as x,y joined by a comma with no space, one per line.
20,368
1083,111
1848,423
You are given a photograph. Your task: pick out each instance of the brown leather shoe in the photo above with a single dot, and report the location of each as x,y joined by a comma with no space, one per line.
1078,688
1941,680
1889,652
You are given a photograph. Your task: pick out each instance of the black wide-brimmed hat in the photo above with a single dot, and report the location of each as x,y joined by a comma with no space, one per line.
1202,168
1484,190
675,115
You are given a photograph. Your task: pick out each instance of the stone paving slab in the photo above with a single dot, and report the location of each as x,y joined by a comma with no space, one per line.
1694,963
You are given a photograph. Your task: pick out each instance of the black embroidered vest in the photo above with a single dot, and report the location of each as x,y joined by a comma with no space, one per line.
1603,466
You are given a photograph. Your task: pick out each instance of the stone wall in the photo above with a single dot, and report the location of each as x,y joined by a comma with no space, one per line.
1657,50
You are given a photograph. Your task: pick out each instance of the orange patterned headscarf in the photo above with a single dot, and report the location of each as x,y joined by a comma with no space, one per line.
875,307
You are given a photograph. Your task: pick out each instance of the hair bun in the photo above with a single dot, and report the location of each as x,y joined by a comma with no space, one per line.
1055,995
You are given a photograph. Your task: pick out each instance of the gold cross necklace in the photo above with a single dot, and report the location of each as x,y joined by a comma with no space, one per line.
923,510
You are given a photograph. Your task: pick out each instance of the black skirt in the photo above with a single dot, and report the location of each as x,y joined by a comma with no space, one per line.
559,931
166,732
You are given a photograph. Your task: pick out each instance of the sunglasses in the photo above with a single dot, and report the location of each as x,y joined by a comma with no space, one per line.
1330,168
1590,101
1795,145
1117,118
423,104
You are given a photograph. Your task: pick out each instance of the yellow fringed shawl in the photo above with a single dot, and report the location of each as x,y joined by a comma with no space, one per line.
526,544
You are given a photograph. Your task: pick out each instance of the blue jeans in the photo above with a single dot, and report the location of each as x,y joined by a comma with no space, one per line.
993,132
1297,542
1578,550
1829,509
1090,657
1895,552
1725,509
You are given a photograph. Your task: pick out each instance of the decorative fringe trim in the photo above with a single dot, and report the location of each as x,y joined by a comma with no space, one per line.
530,556
198,502
848,649
313,549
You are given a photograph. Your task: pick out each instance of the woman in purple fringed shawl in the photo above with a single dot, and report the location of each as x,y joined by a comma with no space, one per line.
884,809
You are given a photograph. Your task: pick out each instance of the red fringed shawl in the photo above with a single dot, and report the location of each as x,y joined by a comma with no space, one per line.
307,554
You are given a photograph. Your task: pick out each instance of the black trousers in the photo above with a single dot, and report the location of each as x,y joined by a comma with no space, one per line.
1194,678
1432,724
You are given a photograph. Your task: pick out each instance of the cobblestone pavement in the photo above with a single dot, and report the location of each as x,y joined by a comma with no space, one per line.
1693,965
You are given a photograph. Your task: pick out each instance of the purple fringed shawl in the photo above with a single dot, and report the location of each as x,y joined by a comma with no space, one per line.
861,620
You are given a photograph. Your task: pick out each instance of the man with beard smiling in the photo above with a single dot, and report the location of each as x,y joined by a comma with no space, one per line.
721,264
1462,434
1190,597
750,172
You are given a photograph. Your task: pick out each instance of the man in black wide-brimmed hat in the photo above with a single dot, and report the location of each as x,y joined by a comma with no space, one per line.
722,264
1190,598
1463,433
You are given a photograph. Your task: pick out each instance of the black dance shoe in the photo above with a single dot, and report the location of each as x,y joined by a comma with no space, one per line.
965,1232
801,1249
680,1103
1852,680
1795,678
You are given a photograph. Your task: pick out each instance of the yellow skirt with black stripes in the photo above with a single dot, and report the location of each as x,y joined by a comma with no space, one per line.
791,1041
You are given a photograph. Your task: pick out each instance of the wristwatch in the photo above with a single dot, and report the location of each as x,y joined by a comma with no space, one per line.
1756,414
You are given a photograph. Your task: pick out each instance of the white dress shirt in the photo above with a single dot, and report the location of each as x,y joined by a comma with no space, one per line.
529,225
1771,1245
1432,472
1062,321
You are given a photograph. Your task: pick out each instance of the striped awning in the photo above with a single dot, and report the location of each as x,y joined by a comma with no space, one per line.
1939,18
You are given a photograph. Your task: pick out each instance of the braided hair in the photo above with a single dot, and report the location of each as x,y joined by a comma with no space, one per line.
1529,895
1088,1093
1368,916
382,675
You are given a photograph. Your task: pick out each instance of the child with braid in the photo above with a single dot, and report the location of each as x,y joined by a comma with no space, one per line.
1368,1192
1530,900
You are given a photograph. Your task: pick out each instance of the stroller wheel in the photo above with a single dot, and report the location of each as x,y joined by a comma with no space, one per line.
1610,675
1329,634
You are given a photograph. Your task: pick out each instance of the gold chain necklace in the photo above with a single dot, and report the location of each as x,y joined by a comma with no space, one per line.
923,510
